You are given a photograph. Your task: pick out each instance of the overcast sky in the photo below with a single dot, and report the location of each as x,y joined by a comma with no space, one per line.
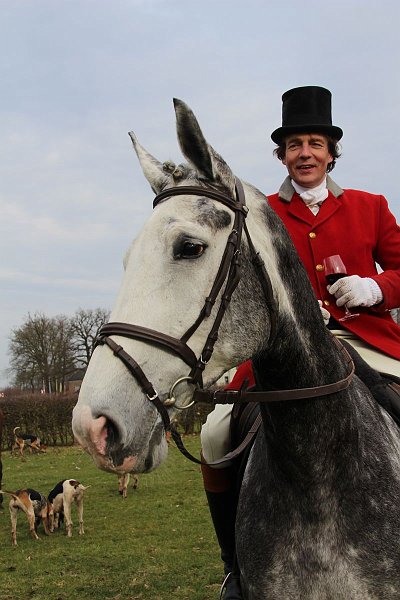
77,75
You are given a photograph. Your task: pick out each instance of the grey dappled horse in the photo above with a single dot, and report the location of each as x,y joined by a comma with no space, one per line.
318,512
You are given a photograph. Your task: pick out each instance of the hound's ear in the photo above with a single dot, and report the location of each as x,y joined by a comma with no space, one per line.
151,167
195,148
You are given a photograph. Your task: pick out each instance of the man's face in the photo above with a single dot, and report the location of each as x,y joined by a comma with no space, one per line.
306,158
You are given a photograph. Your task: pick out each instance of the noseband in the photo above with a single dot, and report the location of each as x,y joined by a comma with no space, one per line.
229,273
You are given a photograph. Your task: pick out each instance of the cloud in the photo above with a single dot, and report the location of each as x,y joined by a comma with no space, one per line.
78,75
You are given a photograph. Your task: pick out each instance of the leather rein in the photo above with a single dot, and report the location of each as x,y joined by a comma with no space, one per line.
228,274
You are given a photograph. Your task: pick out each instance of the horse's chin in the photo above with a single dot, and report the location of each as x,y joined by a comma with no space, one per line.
105,463
122,460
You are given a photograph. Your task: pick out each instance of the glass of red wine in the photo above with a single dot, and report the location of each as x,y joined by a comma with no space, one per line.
334,270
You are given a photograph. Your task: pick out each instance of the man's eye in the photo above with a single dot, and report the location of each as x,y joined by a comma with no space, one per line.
191,250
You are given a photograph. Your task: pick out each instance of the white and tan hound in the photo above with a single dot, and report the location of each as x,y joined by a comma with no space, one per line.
61,498
34,505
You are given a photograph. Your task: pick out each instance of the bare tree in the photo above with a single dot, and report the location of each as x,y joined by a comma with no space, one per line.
85,327
42,353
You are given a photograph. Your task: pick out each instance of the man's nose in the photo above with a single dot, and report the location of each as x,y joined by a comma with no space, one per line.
305,150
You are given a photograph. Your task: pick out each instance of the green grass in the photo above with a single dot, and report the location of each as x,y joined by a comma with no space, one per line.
156,544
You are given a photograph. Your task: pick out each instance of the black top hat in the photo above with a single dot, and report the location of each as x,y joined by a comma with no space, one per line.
306,110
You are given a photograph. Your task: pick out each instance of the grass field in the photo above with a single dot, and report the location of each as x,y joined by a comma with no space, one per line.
156,544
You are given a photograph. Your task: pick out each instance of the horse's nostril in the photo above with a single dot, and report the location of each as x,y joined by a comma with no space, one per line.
113,436
98,432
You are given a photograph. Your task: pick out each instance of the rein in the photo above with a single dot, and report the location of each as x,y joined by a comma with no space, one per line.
228,273
242,396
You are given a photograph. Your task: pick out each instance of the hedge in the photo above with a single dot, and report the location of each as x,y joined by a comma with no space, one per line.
45,415
49,416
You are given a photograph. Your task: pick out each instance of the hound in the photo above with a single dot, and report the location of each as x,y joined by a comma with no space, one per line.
31,441
34,505
123,481
61,498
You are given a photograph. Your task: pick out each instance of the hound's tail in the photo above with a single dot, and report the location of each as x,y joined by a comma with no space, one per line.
13,494
15,429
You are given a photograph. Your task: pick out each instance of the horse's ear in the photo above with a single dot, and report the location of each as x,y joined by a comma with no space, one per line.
195,148
151,167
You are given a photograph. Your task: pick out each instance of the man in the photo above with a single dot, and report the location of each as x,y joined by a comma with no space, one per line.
322,220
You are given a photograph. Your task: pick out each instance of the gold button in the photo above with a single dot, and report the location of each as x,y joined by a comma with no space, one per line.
312,235
327,303
319,267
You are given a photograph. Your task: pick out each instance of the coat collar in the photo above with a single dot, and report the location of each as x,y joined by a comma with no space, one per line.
298,209
286,190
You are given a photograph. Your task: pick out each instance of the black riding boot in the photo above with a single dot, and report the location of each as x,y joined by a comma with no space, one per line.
223,513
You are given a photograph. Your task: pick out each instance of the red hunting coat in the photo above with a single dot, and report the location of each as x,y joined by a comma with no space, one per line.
360,227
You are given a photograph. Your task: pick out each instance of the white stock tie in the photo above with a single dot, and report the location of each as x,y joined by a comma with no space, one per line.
312,197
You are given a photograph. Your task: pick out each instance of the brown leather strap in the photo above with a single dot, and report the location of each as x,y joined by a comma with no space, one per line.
150,335
242,395
139,375
229,456
229,271
152,395
187,190
242,446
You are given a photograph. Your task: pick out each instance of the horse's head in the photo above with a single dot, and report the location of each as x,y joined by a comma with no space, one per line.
171,268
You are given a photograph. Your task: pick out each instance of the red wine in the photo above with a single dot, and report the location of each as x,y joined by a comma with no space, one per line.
333,277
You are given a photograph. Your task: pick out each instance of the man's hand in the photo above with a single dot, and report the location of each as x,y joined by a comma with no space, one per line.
356,291
326,315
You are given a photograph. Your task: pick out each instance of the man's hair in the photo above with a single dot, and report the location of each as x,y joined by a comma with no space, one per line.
333,148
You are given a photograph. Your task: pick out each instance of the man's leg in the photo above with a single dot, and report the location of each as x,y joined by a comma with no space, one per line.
221,491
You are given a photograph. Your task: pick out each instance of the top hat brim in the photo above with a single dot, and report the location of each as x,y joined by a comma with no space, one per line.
282,132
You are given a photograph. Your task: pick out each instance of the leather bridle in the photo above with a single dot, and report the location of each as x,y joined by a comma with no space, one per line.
228,274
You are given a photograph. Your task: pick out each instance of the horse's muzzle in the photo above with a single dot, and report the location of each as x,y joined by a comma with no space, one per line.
101,438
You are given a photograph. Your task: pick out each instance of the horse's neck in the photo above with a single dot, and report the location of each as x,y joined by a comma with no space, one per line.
302,353
301,356
301,433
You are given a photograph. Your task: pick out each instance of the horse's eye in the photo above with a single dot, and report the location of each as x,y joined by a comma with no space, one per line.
191,250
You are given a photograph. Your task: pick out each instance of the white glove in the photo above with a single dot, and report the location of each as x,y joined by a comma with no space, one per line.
326,315
356,291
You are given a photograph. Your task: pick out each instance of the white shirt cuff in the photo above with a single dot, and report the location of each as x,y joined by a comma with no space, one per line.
376,291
